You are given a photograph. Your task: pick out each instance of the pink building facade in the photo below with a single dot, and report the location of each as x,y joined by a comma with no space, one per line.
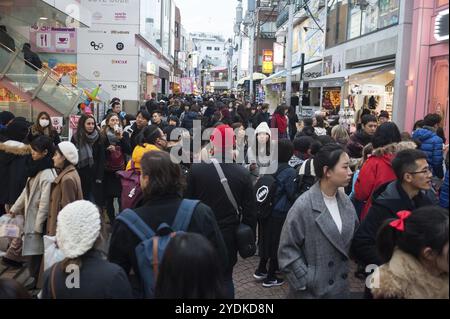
428,83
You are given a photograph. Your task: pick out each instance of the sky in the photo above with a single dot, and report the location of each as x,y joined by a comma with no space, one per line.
215,16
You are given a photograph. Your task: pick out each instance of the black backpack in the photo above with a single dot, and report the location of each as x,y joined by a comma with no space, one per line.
264,192
305,181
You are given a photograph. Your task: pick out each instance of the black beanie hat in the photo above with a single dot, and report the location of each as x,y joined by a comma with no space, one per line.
17,130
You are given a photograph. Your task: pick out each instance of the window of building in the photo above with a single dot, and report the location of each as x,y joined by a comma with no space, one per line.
209,48
217,49
349,19
337,13
371,15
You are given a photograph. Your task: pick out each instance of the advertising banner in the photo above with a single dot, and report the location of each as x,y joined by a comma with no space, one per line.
267,67
187,86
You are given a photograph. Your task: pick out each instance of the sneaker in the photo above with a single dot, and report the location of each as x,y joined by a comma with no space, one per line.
259,275
273,283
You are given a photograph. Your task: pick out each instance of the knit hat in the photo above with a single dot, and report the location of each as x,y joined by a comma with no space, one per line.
77,229
223,138
5,117
69,151
17,130
263,128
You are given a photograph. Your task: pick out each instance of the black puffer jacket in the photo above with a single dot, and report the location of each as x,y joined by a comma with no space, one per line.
13,161
388,200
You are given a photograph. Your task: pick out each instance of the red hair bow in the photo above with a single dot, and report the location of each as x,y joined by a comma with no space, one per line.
399,224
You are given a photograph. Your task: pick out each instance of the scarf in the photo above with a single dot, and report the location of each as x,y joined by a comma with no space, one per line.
85,152
34,167
112,138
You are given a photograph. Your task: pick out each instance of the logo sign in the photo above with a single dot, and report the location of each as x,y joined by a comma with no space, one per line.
97,16
267,67
97,46
262,193
120,16
441,26
120,46
118,87
119,61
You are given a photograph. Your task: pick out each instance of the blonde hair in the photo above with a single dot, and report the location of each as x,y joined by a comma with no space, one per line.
339,132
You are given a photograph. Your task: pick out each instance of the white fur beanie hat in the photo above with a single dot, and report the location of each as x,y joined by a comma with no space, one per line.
78,228
69,151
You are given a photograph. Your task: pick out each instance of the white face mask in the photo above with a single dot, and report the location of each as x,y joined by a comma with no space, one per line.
44,123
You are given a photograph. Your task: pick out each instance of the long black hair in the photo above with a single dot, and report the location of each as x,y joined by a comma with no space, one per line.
425,227
190,269
80,136
149,135
387,133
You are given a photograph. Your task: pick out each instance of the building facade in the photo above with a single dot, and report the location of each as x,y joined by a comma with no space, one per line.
427,81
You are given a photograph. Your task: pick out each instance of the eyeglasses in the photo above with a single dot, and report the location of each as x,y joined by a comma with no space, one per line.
426,170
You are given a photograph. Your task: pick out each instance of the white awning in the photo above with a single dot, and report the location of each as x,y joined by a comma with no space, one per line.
278,77
337,79
308,68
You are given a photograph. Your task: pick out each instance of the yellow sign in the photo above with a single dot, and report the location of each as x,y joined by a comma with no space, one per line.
267,65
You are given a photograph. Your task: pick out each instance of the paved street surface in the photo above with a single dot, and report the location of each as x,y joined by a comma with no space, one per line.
246,287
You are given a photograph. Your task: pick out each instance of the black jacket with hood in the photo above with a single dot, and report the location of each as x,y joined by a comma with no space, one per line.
388,200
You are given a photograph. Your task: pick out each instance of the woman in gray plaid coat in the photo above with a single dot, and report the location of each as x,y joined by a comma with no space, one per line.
316,237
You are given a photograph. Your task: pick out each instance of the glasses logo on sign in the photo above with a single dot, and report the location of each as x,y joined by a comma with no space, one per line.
97,46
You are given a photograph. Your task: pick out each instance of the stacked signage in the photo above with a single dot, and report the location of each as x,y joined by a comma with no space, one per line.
107,53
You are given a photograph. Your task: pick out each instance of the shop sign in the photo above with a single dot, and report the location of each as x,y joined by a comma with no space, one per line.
370,89
53,40
267,67
441,26
278,54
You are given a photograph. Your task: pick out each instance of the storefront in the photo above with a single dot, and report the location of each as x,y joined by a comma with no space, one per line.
429,68
352,90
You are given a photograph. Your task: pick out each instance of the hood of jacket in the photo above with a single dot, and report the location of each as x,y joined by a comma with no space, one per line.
405,277
15,148
424,134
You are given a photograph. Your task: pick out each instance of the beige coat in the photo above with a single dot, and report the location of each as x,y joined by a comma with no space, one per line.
65,189
34,204
404,277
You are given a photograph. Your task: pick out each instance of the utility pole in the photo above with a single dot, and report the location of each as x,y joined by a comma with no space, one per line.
237,31
302,70
289,53
252,53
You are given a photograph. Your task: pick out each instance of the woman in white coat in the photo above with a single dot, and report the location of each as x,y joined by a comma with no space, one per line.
34,203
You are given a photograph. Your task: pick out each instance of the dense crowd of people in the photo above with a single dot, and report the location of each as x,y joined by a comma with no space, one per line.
377,197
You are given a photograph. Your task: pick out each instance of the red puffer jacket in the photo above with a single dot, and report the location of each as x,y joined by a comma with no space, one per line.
376,171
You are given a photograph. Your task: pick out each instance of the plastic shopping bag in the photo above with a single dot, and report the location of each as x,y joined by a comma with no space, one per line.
52,254
11,227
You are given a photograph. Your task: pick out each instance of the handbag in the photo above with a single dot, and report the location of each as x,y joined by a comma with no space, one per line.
115,160
245,236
